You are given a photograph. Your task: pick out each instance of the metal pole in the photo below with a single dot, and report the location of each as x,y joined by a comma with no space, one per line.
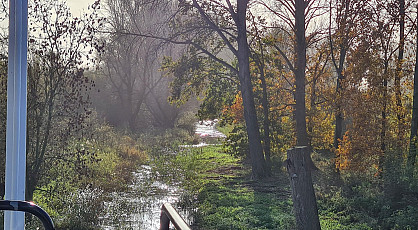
16,111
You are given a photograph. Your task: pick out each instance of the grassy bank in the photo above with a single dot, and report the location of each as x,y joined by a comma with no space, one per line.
76,196
220,194
219,190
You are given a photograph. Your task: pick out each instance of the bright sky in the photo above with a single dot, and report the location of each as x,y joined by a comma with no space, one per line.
77,6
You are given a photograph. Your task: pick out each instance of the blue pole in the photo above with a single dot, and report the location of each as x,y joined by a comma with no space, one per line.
16,111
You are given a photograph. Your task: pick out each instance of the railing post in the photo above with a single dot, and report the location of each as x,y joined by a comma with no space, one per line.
299,166
16,111
164,221
169,214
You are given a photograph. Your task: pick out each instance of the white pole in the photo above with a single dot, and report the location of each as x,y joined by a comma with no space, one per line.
16,111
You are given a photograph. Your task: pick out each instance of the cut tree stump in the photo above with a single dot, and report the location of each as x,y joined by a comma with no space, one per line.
299,166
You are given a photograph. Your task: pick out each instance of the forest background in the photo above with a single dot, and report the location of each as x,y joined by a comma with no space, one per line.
110,88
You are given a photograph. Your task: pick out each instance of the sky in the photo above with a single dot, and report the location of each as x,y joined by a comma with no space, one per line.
77,6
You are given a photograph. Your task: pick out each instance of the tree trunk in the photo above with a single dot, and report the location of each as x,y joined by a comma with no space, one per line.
303,195
266,109
30,187
300,65
383,131
384,116
250,116
410,164
343,46
398,74
313,110
338,134
266,123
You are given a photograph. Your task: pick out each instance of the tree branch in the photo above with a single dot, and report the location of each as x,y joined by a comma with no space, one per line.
215,27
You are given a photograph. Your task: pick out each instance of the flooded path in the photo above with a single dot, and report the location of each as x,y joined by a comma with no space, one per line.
208,129
207,132
140,207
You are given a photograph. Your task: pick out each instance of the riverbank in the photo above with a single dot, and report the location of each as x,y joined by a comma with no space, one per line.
219,193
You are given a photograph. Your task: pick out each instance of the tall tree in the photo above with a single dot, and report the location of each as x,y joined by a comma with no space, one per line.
297,15
410,164
216,29
131,63
398,73
242,52
346,15
305,208
257,54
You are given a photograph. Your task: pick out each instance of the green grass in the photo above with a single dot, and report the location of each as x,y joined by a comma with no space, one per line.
231,207
220,194
225,129
223,194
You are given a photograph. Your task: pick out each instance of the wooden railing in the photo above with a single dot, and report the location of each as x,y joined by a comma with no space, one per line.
169,214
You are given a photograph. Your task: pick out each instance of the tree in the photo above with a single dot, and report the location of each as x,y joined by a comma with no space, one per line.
347,14
410,164
320,97
398,73
258,57
131,63
226,24
297,15
57,89
299,164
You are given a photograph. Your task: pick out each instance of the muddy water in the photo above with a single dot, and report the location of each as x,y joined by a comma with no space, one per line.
140,207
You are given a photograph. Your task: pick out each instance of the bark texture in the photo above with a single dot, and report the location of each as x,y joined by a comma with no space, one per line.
303,195
300,65
256,150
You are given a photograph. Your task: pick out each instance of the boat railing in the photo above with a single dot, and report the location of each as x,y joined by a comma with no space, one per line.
29,207
170,215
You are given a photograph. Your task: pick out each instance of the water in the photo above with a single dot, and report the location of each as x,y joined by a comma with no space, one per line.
140,208
207,132
207,129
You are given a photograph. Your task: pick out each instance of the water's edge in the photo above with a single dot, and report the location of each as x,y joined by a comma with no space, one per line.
140,208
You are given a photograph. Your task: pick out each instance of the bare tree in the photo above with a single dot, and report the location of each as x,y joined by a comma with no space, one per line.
57,86
132,62
164,113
